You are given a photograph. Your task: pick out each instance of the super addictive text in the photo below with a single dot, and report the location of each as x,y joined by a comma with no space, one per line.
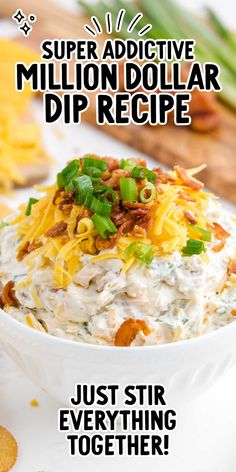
108,420
138,82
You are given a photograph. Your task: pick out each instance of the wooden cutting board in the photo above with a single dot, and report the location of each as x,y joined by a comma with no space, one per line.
168,144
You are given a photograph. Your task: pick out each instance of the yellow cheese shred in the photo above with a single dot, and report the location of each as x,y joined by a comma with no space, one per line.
167,232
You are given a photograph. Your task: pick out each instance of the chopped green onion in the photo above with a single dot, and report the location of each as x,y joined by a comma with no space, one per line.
104,226
128,189
31,202
92,162
93,172
143,173
69,173
205,235
3,224
127,164
85,196
83,185
88,200
102,208
106,193
141,251
193,247
150,190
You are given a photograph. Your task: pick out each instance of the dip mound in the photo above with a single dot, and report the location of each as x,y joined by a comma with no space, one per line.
116,253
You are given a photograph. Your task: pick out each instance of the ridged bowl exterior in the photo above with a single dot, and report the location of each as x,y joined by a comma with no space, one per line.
56,365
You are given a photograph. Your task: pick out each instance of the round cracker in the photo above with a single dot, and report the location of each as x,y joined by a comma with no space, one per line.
8,450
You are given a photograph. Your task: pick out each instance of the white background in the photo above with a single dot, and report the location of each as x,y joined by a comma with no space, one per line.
204,440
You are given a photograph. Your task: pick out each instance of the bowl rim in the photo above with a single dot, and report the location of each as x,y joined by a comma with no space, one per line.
49,338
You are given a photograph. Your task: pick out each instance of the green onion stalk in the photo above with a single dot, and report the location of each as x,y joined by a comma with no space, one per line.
170,21
193,247
221,29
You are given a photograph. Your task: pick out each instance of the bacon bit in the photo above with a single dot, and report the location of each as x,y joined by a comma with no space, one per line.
219,246
102,244
118,218
112,164
68,198
135,205
186,179
1,303
219,232
126,227
144,223
231,267
58,194
106,175
28,248
128,331
185,196
66,208
111,242
86,213
56,230
8,294
140,217
34,245
114,180
23,251
139,232
163,177
139,212
116,208
140,162
233,312
189,217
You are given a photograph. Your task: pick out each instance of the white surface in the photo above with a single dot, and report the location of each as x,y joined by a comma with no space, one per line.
203,442
205,437
184,368
226,8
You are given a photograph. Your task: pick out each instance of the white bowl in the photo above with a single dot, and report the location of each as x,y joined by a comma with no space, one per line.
56,365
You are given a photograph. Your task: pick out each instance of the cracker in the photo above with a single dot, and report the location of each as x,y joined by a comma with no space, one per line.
8,450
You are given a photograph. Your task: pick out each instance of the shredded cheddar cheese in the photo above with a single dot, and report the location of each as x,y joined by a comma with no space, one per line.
10,53
20,141
167,229
20,144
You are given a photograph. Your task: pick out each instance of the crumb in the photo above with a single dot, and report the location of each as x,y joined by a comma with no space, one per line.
34,403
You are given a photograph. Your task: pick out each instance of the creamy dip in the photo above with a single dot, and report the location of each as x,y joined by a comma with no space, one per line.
178,297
